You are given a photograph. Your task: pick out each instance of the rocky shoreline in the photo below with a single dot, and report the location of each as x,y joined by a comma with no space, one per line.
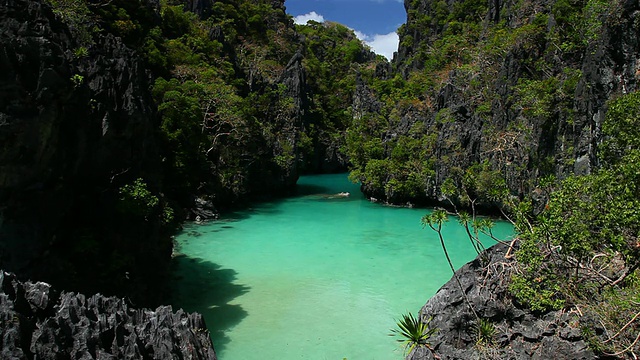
39,322
519,332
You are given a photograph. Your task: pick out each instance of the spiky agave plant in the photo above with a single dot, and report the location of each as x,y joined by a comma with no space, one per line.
485,331
414,332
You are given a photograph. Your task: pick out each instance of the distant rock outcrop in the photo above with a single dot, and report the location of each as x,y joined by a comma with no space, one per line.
38,322
520,333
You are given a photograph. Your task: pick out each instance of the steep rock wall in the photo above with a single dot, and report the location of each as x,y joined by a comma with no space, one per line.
521,86
76,123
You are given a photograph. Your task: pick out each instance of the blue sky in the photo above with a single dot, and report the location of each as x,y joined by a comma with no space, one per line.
375,21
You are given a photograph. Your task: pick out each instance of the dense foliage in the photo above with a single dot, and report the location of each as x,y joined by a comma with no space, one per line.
238,117
227,123
503,88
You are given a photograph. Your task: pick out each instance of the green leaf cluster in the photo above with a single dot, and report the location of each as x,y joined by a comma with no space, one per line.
621,129
485,331
413,332
76,14
137,200
587,218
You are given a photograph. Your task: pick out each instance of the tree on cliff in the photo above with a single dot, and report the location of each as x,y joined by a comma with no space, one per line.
581,253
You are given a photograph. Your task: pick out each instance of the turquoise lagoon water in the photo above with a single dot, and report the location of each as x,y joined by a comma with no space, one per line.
313,276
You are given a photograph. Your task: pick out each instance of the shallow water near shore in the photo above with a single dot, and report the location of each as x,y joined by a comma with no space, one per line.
314,276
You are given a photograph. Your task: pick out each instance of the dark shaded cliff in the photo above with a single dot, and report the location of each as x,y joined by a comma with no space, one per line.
77,124
119,119
515,88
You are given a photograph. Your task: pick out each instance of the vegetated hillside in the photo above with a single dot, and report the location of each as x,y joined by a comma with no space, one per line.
118,119
530,108
332,61
517,89
245,106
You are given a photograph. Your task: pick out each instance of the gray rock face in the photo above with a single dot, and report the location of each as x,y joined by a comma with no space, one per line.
200,7
38,322
203,210
294,80
520,333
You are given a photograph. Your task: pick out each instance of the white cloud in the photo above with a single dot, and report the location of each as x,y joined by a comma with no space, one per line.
360,35
384,45
303,19
381,44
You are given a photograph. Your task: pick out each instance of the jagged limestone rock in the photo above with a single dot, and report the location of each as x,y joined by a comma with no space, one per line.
39,322
520,333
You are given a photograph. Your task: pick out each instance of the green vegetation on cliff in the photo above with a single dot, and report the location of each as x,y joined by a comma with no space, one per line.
529,108
122,118
246,99
583,250
516,87
333,58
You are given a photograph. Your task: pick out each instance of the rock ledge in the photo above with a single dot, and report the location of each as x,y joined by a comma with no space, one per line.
520,333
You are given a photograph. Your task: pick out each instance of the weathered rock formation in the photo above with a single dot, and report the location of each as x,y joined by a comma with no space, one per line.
520,333
38,322
526,91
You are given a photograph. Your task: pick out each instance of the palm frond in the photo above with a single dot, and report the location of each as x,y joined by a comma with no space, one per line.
413,332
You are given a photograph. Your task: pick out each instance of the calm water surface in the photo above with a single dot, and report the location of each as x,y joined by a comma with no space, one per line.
313,276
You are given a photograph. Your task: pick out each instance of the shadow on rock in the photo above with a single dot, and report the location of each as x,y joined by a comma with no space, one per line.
202,286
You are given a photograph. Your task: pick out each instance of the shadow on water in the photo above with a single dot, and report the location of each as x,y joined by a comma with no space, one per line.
202,286
270,206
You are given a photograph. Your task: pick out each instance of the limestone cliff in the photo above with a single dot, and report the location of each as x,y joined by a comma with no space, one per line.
521,87
76,124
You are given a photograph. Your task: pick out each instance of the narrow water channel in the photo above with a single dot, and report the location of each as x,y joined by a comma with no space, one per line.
315,276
